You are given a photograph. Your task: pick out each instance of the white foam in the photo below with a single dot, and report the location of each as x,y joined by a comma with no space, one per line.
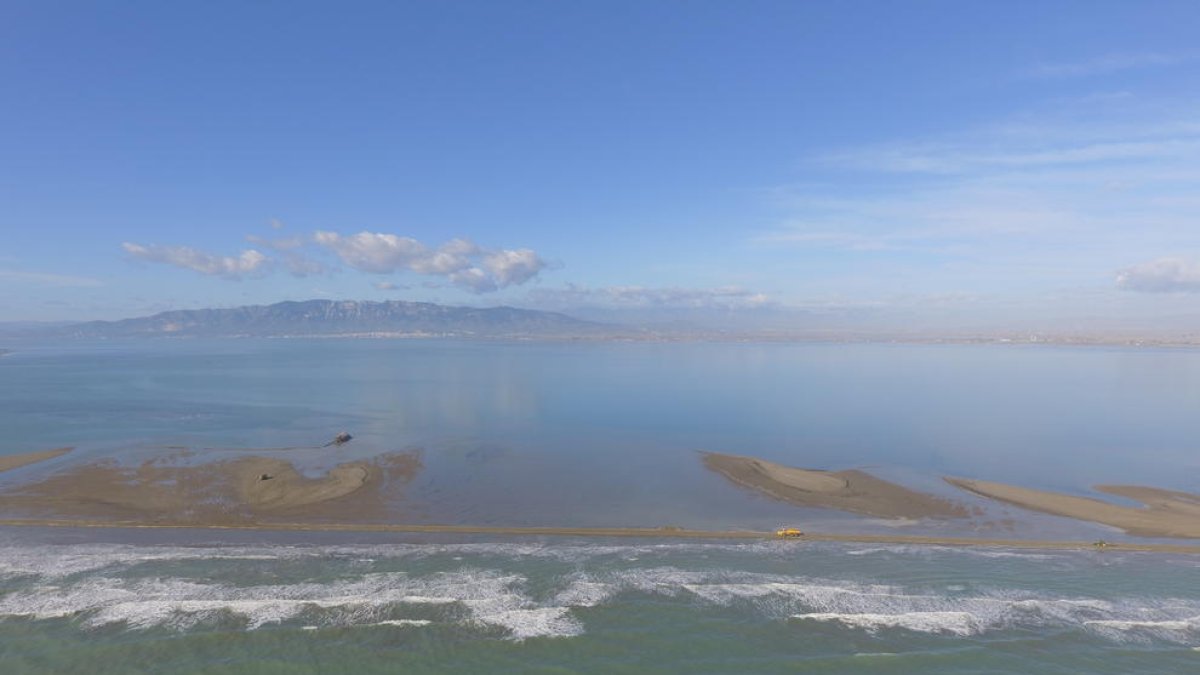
58,586
490,598
55,561
403,622
871,607
59,560
535,622
1179,624
957,623
585,593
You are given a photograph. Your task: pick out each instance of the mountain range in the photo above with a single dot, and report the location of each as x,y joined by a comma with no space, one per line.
344,317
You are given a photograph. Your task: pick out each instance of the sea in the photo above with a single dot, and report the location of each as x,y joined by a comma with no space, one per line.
595,434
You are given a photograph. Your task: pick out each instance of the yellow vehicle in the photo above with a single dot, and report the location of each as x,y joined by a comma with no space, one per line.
788,533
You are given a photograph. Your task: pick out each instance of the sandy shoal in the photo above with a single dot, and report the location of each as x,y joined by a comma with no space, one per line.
9,462
244,490
608,532
851,490
1167,513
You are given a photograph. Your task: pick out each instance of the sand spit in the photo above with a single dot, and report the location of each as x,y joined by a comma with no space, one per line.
853,491
1167,513
9,462
244,490
618,532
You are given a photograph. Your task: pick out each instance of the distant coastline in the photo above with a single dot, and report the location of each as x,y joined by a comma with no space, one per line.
399,320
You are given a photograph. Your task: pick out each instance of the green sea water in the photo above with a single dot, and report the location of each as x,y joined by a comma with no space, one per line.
605,435
74,603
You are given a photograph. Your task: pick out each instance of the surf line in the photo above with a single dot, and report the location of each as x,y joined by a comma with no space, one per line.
627,532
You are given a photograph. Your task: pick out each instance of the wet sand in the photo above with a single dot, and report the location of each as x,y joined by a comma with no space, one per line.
9,462
852,490
619,532
245,490
1167,513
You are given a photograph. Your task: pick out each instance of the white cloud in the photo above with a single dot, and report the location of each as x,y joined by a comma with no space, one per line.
1164,275
249,262
510,267
951,158
572,295
1053,198
1108,63
371,252
473,279
463,262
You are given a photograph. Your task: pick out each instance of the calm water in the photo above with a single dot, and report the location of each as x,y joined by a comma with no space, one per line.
606,434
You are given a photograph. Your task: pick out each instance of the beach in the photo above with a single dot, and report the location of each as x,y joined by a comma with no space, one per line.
10,462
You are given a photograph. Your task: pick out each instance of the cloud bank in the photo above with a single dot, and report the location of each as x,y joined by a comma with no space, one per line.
461,261
1164,275
1108,63
249,262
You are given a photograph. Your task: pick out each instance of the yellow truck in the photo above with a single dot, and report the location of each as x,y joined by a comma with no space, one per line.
788,533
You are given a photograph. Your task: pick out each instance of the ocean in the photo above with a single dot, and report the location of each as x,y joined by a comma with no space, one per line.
606,434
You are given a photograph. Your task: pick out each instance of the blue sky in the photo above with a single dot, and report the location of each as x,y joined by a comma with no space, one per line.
989,163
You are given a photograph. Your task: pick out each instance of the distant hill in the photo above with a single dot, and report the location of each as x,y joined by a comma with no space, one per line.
346,317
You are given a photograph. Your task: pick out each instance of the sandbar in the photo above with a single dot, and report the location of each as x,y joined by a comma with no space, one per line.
1167,513
851,490
609,532
9,462
244,490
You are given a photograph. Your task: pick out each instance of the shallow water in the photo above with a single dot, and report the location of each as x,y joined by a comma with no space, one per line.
605,434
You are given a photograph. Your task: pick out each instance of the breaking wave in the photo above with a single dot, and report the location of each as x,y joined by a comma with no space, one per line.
958,623
523,591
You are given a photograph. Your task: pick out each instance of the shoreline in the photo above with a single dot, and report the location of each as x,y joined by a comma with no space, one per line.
10,462
1165,513
618,532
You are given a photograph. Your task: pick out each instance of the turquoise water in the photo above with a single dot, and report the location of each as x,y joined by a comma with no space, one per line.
605,434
